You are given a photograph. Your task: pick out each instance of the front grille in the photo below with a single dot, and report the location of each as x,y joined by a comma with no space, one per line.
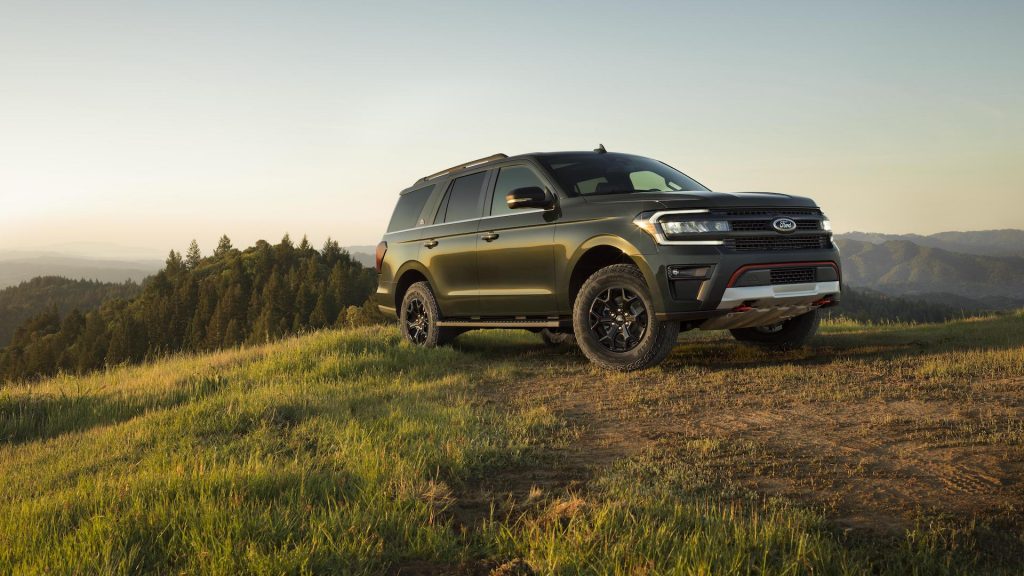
765,243
766,225
792,275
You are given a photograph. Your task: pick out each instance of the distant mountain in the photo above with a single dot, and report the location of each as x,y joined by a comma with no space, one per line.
902,267
31,298
365,255
16,267
1006,242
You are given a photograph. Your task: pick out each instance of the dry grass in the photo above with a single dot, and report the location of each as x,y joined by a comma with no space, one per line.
884,449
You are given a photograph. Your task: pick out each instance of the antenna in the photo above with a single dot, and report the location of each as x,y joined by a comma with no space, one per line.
600,149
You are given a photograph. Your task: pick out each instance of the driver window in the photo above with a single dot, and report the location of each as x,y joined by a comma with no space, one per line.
510,178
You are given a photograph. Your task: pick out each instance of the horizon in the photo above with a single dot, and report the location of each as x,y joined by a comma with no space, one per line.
138,254
150,125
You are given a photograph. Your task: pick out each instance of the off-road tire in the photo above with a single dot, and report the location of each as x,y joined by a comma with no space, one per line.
555,339
788,335
657,339
425,333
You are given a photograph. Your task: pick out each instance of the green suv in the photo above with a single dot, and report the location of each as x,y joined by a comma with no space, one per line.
613,251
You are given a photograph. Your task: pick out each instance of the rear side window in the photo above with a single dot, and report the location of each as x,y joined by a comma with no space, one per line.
508,180
410,206
463,202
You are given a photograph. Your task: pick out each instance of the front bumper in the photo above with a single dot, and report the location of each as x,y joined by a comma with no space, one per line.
711,301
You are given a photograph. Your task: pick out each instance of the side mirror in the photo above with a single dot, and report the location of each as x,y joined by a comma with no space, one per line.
529,197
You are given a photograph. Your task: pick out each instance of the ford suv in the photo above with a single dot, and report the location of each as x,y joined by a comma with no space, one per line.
613,251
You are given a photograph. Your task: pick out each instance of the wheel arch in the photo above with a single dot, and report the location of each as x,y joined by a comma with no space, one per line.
409,274
598,252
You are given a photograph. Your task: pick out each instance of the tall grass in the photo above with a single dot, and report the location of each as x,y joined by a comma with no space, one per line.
351,453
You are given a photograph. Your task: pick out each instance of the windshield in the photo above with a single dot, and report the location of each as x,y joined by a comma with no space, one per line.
587,173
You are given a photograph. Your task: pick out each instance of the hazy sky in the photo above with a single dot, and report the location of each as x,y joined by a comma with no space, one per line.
149,123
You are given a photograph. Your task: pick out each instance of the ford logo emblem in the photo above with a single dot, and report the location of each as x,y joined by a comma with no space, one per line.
784,225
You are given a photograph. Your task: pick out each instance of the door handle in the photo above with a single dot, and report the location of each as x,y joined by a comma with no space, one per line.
430,243
489,237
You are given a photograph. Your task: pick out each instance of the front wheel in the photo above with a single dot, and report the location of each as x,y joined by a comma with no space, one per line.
787,335
613,318
419,317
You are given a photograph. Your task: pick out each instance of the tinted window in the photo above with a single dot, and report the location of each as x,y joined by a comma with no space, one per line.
611,173
409,207
508,180
463,201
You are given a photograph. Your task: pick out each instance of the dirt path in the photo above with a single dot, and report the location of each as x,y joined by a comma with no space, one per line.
871,464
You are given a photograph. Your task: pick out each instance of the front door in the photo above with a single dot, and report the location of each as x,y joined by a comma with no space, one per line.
515,251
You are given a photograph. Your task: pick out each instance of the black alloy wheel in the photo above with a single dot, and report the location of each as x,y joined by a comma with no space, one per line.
619,319
614,322
417,323
419,317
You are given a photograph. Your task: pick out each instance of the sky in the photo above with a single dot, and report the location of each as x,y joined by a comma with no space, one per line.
146,124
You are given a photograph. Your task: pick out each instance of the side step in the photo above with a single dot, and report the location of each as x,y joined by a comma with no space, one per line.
500,323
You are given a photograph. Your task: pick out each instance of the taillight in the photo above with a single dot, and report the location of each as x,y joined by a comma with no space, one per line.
382,249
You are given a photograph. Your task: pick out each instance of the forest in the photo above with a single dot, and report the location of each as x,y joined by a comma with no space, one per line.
197,303
31,297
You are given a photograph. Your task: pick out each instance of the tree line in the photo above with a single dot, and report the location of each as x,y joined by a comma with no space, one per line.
198,303
865,305
32,297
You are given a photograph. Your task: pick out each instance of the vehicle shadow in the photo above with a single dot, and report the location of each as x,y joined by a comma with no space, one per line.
718,351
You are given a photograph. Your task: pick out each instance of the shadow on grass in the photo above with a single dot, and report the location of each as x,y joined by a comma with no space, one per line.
41,416
867,343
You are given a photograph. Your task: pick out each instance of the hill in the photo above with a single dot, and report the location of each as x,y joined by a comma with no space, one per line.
885,450
902,267
35,296
871,306
1006,242
365,255
228,298
17,267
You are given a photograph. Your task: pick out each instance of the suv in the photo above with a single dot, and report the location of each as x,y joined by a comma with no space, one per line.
615,251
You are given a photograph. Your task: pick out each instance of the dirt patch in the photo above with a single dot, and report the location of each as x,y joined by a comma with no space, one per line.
872,463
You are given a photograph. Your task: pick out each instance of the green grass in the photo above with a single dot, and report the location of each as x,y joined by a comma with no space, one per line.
351,452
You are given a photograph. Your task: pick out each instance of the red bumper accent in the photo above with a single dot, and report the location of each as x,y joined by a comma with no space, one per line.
739,271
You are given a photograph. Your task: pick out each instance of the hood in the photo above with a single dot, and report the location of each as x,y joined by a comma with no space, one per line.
683,200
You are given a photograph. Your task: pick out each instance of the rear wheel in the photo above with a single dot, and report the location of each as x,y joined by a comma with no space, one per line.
787,335
614,323
419,316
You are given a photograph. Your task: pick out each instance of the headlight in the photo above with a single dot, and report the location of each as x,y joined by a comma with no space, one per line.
826,225
682,226
676,227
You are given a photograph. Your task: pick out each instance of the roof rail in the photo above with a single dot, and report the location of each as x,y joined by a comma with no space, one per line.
469,164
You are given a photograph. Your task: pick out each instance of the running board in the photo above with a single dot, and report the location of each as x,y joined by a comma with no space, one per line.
499,323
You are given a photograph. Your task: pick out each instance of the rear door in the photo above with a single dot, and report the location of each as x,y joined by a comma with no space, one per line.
449,246
515,252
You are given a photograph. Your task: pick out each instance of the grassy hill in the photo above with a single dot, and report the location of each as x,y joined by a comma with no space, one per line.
903,267
889,450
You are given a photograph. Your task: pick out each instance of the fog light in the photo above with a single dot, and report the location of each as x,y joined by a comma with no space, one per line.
686,272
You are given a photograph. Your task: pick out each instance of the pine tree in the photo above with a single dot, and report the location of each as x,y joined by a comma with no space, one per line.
223,247
193,256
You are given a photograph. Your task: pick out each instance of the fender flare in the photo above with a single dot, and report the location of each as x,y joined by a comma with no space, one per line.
613,241
410,266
